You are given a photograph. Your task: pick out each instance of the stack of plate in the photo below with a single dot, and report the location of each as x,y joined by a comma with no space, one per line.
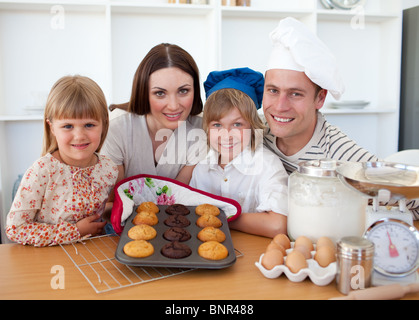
350,104
341,4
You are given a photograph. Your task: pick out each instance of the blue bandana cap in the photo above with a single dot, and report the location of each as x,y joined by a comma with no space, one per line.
244,79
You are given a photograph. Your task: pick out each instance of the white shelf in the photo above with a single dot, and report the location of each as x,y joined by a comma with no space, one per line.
249,12
172,9
46,6
340,15
357,111
32,117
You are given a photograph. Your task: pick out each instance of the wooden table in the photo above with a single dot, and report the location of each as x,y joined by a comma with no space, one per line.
28,273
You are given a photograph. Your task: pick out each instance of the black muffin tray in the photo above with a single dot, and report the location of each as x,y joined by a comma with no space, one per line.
159,260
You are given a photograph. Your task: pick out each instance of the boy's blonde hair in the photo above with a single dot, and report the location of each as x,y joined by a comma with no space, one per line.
74,97
222,101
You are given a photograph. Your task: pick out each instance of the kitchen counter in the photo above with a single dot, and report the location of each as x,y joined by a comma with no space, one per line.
27,272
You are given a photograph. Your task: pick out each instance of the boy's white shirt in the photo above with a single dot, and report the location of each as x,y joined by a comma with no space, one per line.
257,180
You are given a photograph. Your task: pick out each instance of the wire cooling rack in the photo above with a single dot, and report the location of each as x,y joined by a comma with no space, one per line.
95,259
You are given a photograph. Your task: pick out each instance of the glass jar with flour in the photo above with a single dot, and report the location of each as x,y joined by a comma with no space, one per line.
321,205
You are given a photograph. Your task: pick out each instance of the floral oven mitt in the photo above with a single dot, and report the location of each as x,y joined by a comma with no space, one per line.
133,191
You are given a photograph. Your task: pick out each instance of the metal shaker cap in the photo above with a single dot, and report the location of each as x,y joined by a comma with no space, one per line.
318,168
355,248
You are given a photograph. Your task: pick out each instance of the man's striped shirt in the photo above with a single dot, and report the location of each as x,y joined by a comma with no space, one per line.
329,142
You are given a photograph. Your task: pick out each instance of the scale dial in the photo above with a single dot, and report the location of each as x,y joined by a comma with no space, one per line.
396,247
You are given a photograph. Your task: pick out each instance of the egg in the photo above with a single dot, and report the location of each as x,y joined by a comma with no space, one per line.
324,256
272,258
304,241
283,240
304,250
295,261
274,246
324,241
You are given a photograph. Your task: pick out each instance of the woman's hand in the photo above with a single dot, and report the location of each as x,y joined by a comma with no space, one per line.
185,174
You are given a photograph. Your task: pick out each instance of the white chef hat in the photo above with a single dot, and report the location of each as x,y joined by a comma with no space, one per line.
295,47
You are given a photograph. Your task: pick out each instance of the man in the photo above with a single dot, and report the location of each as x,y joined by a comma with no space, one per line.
301,72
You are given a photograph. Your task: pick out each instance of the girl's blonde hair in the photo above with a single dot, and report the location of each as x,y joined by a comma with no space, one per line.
222,101
74,97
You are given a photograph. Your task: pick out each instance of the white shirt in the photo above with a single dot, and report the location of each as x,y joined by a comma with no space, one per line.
257,181
128,143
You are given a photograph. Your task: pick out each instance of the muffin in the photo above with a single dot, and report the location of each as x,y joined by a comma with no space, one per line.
212,250
138,249
149,207
177,234
211,234
177,220
144,217
176,250
142,232
207,209
177,209
208,220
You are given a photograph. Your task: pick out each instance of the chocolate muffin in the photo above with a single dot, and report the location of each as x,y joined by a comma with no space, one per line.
176,250
177,234
177,220
177,209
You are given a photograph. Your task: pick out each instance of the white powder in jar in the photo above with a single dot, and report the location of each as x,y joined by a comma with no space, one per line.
324,207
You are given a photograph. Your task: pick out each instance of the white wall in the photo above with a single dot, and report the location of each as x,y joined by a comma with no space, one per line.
410,3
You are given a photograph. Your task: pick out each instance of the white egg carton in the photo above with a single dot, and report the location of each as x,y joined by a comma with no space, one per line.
318,275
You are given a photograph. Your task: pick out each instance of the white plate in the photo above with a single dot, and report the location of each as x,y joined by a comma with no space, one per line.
35,109
346,4
350,104
318,275
327,4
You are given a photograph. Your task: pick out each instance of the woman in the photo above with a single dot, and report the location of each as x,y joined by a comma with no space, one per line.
156,136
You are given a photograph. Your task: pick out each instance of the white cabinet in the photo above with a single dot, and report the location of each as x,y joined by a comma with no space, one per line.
42,40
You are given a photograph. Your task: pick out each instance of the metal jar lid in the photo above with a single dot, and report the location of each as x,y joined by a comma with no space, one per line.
319,168
355,248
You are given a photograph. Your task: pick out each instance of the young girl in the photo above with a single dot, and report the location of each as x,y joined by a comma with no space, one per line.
238,166
61,197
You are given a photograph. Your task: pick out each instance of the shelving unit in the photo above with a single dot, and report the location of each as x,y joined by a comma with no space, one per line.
42,40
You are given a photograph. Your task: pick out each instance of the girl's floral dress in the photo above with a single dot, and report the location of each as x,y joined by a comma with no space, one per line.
53,196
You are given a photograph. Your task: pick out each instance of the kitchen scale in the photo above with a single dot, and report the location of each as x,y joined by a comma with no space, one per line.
390,227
